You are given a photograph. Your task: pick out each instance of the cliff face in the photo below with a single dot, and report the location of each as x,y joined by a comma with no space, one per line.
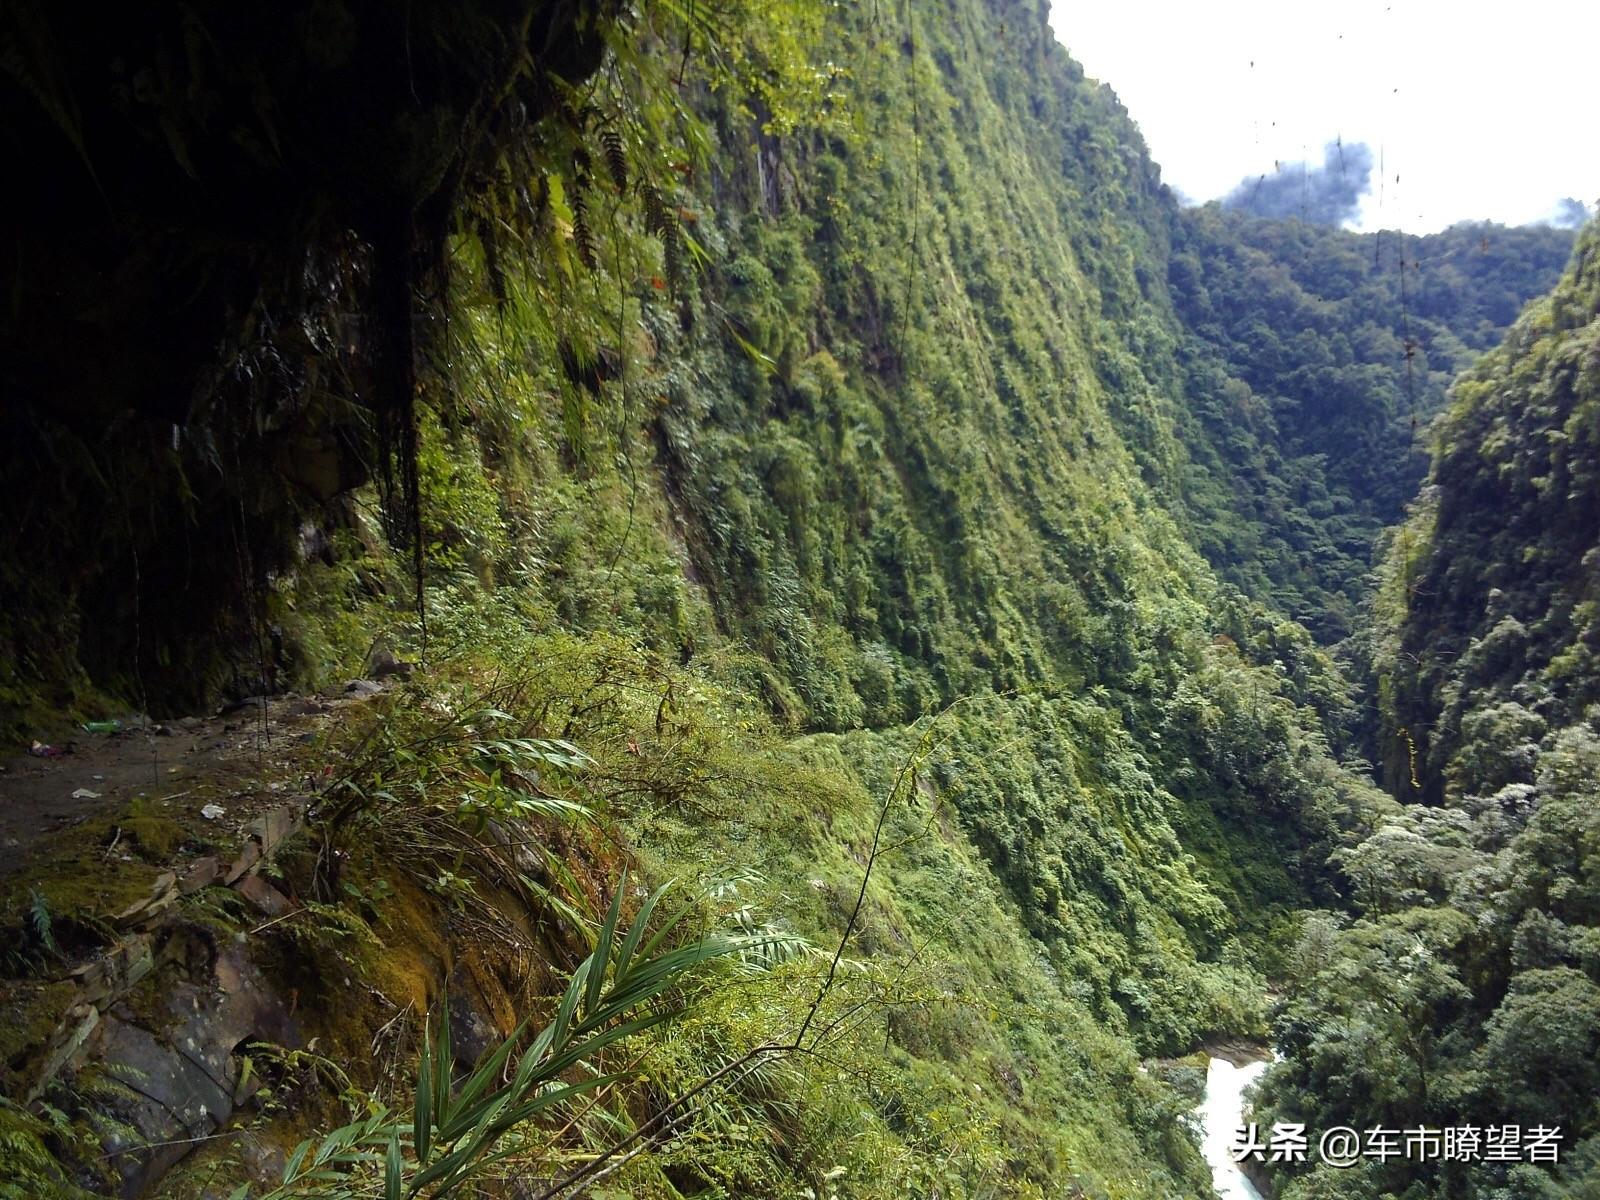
1319,358
908,430
212,328
1467,963
792,411
942,345
1489,596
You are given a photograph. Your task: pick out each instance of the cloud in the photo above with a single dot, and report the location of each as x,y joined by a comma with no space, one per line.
1570,213
1326,195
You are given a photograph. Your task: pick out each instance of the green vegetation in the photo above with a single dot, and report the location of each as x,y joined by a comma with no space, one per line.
1464,990
1487,612
1320,358
806,455
998,556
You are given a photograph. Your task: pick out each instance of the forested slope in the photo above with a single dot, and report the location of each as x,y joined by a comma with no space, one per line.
1466,989
1321,357
771,440
1488,595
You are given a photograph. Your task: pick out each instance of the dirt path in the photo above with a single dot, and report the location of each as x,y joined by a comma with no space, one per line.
240,761
102,967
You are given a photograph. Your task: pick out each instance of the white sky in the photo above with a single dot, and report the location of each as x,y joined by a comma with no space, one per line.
1481,110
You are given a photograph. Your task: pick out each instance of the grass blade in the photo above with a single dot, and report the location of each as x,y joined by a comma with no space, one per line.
392,1171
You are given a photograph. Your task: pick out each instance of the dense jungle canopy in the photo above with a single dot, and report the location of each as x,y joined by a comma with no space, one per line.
734,599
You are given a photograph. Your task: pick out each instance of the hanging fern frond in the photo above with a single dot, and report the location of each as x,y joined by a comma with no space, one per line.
541,205
32,63
672,246
493,269
582,234
616,159
574,116
656,219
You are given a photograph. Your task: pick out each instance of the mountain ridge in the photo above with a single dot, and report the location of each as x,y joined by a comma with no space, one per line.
801,482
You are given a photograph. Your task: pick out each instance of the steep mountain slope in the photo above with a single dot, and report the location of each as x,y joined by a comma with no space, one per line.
1322,357
213,329
899,428
839,418
1466,991
1489,598
770,442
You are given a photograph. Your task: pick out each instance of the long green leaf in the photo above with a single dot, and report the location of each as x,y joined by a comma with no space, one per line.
660,935
455,1136
422,1114
602,946
655,976
441,1068
528,1073
569,1002
463,1155
591,1046
489,1070
295,1159
552,1098
392,1171
636,932
571,914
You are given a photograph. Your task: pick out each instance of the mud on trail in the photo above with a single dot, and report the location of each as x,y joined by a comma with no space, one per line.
161,784
190,995
94,825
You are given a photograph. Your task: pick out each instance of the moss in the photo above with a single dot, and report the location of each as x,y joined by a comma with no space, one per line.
29,1016
406,972
157,837
82,887
147,1000
256,1150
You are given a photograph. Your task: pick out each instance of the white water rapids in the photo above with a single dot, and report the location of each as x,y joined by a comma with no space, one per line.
1221,1114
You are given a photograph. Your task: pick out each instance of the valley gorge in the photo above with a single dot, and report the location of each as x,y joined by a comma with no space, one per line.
738,600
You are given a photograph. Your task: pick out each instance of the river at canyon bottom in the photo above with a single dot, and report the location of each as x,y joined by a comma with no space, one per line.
1221,1114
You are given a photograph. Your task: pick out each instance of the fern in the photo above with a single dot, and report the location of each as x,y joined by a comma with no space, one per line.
616,160
582,234
41,921
656,220
33,942
672,246
28,1171
30,60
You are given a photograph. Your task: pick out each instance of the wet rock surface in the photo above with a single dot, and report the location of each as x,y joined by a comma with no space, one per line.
176,1071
